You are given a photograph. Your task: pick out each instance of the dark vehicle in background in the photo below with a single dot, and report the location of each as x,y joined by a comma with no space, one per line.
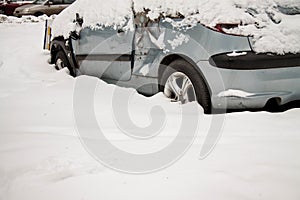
41,7
7,7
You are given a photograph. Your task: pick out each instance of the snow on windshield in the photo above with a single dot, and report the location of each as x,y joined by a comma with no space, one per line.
274,24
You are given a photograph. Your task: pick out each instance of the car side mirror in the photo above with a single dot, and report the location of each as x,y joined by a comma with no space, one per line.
50,3
79,19
74,35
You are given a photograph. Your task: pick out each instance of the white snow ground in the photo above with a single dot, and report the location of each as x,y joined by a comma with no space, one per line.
41,156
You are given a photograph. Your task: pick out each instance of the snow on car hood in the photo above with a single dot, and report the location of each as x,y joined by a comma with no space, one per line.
96,13
274,24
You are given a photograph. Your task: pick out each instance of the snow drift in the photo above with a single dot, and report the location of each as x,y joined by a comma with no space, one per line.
23,19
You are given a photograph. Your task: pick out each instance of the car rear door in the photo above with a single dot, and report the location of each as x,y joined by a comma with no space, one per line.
105,53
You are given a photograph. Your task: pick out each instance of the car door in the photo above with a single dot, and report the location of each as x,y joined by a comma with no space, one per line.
148,43
105,53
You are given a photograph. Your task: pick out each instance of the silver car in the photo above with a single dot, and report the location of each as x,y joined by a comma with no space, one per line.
219,70
43,7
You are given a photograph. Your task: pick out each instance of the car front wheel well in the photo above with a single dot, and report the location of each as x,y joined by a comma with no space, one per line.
56,46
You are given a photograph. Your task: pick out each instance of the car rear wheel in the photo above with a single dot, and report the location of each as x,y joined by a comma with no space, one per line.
180,88
182,83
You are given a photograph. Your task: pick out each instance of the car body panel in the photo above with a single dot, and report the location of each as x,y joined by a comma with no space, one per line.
150,46
106,53
262,84
8,7
49,7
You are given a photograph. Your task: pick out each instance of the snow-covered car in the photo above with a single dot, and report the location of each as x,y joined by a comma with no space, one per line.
231,57
7,7
41,7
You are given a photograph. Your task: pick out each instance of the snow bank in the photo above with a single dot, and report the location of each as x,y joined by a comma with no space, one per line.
23,19
269,22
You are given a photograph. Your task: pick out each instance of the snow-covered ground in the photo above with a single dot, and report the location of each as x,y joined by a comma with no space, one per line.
41,156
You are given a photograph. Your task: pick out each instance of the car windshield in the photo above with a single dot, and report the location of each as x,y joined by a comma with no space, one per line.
39,1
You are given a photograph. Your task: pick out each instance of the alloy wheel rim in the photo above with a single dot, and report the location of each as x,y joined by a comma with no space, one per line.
180,88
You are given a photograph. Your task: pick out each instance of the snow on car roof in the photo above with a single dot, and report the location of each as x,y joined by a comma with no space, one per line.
274,24
95,13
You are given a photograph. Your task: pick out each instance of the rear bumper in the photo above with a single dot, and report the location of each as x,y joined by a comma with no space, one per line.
252,61
253,101
258,75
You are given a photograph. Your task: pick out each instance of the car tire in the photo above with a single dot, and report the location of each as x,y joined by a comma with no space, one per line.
61,61
181,82
37,14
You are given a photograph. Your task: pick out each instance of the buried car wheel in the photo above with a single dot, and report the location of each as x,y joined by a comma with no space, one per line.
182,83
61,61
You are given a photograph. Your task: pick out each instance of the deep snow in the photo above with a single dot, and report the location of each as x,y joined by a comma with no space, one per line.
41,156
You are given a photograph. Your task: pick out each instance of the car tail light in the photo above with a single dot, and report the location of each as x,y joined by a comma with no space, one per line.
223,27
